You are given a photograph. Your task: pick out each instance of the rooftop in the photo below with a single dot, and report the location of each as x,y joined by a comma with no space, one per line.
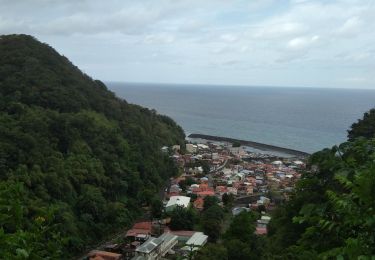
178,200
198,239
149,245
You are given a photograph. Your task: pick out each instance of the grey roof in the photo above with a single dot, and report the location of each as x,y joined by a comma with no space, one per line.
198,239
149,245
166,237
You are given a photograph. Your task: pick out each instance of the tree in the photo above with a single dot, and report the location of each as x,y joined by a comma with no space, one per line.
156,208
86,159
236,144
240,240
186,183
209,201
182,218
365,127
211,222
228,199
242,227
212,252
238,250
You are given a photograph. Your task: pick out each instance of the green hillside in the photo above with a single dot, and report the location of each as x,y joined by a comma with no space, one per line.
75,161
332,212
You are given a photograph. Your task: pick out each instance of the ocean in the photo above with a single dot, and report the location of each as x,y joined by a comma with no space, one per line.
305,119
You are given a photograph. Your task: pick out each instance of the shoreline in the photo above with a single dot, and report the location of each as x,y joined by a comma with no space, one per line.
256,145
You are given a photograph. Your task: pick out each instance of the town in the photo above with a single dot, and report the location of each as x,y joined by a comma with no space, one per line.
213,174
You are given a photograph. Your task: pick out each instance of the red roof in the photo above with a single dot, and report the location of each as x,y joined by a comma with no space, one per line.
143,225
140,228
173,193
96,254
221,189
198,203
261,231
206,193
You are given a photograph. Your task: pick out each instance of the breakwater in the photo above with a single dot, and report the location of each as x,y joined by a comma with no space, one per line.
256,145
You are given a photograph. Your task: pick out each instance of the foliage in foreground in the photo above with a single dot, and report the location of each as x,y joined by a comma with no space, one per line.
332,213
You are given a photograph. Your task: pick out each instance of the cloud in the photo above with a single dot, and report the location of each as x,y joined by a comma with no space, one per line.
279,29
228,37
301,43
224,39
351,27
163,38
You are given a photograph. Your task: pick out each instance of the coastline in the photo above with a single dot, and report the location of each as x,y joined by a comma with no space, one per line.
259,146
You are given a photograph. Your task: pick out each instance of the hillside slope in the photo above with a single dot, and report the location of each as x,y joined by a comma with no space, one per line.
75,161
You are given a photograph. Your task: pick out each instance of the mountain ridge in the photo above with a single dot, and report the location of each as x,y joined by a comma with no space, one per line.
75,161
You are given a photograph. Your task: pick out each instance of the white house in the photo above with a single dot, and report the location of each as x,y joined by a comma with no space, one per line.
175,201
191,148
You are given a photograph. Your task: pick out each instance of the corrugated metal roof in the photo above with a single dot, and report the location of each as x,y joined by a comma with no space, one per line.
198,239
149,245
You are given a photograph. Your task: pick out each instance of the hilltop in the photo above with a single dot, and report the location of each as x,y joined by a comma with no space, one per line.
75,161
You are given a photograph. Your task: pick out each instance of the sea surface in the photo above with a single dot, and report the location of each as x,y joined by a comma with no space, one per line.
305,119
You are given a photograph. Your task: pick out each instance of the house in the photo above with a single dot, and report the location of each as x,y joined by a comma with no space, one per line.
183,235
140,231
238,210
265,218
149,250
215,156
205,193
198,240
261,231
221,190
199,203
176,148
156,248
237,151
175,201
169,241
103,255
232,190
191,148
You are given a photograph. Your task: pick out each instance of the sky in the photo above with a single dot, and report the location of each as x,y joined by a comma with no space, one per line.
328,43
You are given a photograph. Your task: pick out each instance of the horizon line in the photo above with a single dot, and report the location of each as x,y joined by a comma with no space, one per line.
236,85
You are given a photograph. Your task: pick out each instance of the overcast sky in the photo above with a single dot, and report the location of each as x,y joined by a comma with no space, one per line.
250,42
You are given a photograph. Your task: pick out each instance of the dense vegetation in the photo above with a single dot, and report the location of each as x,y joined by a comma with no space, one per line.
332,213
75,161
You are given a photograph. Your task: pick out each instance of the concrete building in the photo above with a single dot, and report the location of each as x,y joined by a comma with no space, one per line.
191,148
156,248
175,201
198,240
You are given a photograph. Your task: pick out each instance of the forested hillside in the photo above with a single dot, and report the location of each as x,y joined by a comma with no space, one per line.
332,213
75,161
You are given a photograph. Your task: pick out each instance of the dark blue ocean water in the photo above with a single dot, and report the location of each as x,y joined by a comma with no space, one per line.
306,119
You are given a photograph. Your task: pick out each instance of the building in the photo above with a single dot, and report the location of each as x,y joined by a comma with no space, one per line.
199,203
149,250
198,240
175,201
140,231
156,248
260,231
191,148
103,255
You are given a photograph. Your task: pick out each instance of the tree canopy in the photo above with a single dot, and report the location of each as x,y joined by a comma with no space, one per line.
331,214
74,158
